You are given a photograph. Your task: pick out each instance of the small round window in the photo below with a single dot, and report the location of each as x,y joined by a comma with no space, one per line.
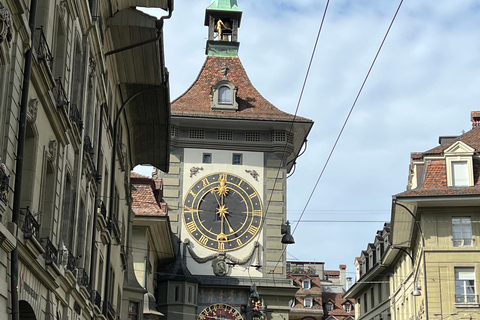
224,95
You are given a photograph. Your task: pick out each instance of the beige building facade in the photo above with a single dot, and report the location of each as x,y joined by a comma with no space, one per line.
69,81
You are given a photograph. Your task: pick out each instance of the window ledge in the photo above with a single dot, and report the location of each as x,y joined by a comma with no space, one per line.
467,305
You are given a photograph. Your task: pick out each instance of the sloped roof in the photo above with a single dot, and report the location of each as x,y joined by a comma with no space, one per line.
434,182
144,200
338,311
196,101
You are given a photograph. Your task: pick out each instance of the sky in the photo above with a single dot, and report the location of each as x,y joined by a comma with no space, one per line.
424,85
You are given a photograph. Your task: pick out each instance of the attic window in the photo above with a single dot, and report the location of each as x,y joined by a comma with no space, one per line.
307,303
329,307
459,165
347,307
306,284
224,96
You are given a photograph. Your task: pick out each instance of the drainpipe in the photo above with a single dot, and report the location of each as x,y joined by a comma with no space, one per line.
19,162
159,26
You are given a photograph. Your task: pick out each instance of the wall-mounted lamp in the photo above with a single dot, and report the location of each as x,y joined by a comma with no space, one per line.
287,236
416,292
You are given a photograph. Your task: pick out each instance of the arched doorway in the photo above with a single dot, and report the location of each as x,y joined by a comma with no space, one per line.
26,311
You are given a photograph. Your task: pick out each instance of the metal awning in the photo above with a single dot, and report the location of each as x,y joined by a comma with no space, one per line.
143,83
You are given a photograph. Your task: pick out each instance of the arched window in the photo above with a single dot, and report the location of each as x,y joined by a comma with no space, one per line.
224,95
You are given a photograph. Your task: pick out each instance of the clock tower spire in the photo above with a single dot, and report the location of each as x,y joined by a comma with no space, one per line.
223,20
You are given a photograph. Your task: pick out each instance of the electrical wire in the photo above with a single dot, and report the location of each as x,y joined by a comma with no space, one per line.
346,120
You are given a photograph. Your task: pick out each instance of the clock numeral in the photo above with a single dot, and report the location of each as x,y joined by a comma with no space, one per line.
205,182
253,195
252,230
239,242
221,245
203,240
193,193
222,177
191,226
257,213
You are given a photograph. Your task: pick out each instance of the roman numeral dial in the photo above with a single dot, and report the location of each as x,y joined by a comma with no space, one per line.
222,212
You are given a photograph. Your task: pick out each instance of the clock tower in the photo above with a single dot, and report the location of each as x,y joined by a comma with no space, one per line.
231,152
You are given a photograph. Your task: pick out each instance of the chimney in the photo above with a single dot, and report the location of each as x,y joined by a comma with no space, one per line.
343,275
475,117
349,283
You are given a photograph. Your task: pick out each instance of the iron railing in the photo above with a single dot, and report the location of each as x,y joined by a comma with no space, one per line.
82,278
111,310
51,252
103,210
88,147
4,183
97,299
464,242
76,118
41,47
60,95
116,228
31,228
466,298
71,263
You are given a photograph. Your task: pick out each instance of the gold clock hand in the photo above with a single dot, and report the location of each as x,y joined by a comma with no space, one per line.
229,226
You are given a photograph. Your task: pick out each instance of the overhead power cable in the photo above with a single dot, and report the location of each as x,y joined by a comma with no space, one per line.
346,120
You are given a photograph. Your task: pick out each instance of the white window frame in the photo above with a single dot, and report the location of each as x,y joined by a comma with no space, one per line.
329,306
306,284
347,307
308,302
459,152
465,290
464,228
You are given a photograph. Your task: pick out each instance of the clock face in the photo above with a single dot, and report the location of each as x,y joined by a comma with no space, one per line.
220,311
222,212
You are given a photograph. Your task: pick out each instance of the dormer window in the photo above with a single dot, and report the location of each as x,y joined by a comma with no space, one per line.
224,96
459,165
329,306
307,303
306,285
347,307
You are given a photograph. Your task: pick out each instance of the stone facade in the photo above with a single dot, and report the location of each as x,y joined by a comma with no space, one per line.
64,204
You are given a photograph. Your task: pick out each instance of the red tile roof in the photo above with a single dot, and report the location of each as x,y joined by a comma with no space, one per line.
338,310
197,100
435,175
144,200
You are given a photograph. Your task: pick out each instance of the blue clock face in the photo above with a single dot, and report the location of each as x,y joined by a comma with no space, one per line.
220,311
222,212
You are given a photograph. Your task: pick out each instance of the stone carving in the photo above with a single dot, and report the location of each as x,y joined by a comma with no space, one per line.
32,110
194,171
52,150
5,25
220,261
224,69
253,173
92,65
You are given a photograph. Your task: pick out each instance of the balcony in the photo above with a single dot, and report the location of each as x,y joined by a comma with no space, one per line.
110,310
82,278
464,242
60,96
114,226
88,147
4,183
97,299
31,227
76,118
71,261
51,252
466,299
42,49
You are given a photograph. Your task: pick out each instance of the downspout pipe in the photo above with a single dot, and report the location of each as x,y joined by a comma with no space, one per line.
114,148
27,71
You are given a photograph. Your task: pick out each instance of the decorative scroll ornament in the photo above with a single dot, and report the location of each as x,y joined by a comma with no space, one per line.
253,173
52,150
5,25
32,110
194,171
225,69
220,261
